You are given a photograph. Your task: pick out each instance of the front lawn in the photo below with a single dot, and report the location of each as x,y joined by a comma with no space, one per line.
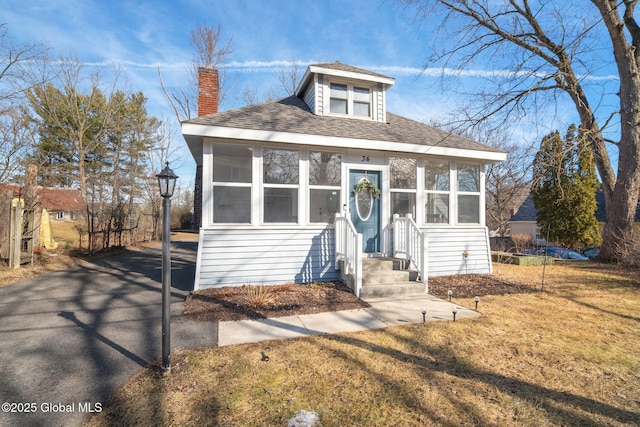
568,356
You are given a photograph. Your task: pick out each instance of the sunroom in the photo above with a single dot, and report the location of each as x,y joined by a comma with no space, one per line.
290,195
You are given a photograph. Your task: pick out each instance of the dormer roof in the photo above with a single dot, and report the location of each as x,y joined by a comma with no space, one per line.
306,118
338,69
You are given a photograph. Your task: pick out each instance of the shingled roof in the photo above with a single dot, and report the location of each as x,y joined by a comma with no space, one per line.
292,115
339,66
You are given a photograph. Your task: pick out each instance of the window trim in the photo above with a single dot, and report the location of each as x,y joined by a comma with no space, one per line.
448,193
413,190
478,193
310,187
263,185
231,184
351,99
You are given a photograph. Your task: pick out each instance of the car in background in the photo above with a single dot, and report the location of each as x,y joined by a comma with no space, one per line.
558,253
591,253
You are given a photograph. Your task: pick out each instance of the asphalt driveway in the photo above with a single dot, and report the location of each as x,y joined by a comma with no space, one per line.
69,339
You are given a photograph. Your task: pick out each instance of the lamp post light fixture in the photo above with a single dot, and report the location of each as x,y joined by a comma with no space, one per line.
450,293
455,311
167,182
424,314
477,300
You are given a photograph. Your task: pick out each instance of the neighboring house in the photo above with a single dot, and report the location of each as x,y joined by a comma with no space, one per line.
51,204
62,204
524,220
273,176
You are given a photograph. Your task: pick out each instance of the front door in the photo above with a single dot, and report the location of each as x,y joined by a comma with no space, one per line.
364,206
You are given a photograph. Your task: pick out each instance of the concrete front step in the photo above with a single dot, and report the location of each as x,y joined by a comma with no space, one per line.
383,264
384,277
389,290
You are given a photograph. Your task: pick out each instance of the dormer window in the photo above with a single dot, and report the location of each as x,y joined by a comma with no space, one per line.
336,89
350,100
339,98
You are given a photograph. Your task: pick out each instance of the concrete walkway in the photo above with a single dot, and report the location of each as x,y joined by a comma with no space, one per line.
383,312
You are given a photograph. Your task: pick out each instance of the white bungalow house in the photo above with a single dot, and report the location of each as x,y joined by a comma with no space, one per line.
310,187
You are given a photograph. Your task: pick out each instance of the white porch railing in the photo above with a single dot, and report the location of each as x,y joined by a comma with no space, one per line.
410,243
349,250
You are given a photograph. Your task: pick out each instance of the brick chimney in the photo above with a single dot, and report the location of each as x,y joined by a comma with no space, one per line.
207,91
208,99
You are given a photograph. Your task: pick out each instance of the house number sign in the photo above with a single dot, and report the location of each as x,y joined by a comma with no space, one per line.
365,159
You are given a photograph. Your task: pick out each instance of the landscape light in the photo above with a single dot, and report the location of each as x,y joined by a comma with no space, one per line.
477,300
449,292
455,311
424,314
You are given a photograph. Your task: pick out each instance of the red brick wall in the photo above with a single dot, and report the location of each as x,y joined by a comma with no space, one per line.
208,100
207,91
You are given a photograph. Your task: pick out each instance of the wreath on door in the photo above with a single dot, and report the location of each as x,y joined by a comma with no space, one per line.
368,186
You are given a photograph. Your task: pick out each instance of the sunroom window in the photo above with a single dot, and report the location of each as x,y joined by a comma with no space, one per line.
350,100
325,177
468,193
232,170
281,170
403,185
437,188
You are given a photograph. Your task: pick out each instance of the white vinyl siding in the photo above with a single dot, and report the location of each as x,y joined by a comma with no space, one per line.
310,97
265,256
446,248
379,102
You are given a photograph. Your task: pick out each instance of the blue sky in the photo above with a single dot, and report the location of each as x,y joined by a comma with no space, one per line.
141,36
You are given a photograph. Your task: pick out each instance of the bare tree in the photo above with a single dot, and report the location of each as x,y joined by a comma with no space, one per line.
288,77
209,51
552,50
15,63
16,134
16,140
507,183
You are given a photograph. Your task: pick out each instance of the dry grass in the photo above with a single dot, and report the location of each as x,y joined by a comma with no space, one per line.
568,356
256,297
67,235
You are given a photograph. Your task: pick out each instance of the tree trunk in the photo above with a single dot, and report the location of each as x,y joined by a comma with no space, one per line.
622,198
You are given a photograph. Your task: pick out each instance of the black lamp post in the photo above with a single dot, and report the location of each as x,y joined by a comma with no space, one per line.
167,182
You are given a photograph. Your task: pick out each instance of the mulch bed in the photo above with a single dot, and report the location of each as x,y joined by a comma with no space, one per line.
257,302
472,285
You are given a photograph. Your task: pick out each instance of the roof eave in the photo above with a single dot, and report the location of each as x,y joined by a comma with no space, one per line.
351,75
194,134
